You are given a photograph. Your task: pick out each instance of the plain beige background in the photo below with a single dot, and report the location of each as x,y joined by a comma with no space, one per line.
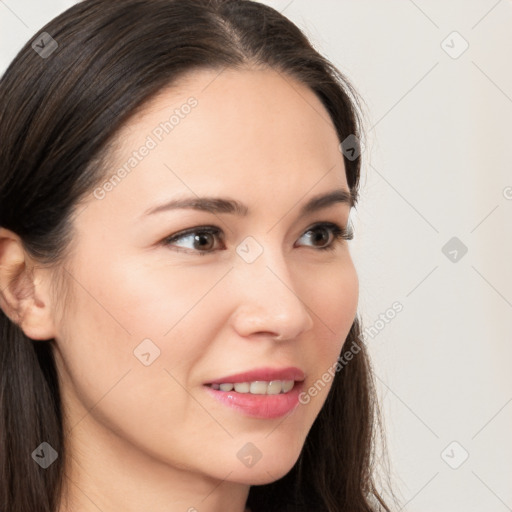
437,82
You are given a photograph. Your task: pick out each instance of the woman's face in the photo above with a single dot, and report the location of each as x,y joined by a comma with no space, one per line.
153,321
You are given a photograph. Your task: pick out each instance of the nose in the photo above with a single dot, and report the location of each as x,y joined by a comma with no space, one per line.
268,300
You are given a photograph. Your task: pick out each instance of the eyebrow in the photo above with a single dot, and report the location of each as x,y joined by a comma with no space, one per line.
232,206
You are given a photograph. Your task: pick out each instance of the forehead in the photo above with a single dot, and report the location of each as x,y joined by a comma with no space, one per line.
233,107
255,131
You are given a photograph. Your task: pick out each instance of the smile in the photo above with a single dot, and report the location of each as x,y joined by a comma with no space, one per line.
257,387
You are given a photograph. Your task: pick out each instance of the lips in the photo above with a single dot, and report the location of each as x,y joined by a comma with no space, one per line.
261,393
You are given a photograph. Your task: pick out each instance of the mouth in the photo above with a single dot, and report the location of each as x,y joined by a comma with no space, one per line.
261,393
256,387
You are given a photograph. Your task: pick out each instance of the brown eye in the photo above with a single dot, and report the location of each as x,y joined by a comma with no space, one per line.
199,240
328,235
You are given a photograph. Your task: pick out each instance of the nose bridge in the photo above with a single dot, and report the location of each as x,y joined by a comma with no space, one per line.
268,301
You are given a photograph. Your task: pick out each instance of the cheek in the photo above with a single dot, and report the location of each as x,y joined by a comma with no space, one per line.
115,308
122,311
137,301
332,298
333,304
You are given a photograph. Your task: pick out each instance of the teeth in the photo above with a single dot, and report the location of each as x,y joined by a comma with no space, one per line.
257,387
287,385
242,387
275,387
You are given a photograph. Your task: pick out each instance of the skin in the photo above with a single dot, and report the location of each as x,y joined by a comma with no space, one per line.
150,437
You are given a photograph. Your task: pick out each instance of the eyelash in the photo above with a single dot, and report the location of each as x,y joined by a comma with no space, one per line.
337,231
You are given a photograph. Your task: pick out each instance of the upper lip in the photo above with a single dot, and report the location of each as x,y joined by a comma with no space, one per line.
265,374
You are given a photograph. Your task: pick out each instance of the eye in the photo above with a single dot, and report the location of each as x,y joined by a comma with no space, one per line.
201,239
329,233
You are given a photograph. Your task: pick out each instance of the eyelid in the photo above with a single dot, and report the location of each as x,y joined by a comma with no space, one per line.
340,232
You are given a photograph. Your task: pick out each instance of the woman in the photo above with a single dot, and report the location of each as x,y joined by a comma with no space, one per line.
137,136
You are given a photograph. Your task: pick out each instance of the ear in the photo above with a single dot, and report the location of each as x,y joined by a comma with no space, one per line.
24,289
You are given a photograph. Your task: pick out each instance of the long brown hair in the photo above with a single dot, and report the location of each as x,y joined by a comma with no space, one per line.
59,114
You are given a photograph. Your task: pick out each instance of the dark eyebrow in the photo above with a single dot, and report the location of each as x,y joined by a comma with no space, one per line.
227,205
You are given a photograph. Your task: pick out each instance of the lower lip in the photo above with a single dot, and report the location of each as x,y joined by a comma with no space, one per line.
259,406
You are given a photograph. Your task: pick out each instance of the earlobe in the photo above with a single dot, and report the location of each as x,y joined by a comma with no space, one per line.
24,294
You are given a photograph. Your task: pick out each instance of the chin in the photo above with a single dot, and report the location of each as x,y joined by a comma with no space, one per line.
265,471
